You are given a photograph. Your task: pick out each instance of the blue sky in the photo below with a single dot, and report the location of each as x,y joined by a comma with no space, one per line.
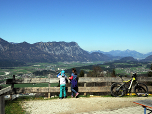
94,24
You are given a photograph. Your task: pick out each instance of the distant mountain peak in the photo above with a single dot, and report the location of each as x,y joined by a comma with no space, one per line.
3,41
125,53
128,58
127,50
13,43
47,52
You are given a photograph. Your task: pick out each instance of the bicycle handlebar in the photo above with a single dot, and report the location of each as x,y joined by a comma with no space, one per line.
133,76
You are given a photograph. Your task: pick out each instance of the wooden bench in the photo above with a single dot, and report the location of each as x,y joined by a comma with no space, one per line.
147,103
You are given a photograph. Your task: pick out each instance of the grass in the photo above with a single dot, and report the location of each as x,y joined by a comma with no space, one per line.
35,85
2,73
14,107
5,85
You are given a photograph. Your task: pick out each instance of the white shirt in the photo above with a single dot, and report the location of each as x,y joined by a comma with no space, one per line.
62,79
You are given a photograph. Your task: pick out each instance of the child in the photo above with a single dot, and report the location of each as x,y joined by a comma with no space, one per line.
62,77
74,83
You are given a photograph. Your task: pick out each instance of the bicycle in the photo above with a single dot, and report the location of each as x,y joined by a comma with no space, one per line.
119,90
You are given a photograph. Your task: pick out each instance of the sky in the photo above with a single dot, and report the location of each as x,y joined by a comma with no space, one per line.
103,25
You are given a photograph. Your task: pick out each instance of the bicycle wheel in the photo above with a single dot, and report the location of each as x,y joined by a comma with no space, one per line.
141,90
117,90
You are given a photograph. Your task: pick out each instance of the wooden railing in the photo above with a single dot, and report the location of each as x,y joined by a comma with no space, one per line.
49,89
84,80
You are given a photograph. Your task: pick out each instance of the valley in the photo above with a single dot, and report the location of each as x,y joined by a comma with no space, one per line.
41,70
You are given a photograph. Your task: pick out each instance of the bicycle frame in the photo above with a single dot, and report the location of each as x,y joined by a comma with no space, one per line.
125,82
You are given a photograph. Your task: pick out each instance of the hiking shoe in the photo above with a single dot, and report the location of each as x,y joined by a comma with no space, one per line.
60,97
65,97
71,96
76,94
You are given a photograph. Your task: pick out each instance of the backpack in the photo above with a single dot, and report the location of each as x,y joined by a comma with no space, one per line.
74,83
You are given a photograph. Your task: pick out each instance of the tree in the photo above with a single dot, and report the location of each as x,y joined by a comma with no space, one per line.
150,72
90,74
81,74
1,87
113,74
97,71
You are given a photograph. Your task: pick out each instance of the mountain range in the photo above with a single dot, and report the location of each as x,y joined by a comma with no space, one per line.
125,53
47,52
56,52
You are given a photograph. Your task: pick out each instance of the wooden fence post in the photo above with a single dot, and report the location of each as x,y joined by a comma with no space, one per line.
49,86
85,84
12,86
2,104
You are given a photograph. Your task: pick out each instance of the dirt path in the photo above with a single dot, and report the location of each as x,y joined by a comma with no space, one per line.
78,105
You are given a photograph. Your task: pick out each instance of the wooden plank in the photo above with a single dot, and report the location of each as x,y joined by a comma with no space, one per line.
5,90
81,80
36,80
112,79
37,89
49,86
85,84
149,88
94,89
54,80
57,89
33,80
2,104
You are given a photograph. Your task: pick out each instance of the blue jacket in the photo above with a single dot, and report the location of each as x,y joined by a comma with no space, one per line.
74,76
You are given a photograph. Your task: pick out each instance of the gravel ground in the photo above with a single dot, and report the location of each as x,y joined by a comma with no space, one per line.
79,105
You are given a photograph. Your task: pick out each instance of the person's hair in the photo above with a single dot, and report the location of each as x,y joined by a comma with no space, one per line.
75,72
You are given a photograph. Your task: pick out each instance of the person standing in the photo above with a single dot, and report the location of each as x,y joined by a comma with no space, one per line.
74,83
62,77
